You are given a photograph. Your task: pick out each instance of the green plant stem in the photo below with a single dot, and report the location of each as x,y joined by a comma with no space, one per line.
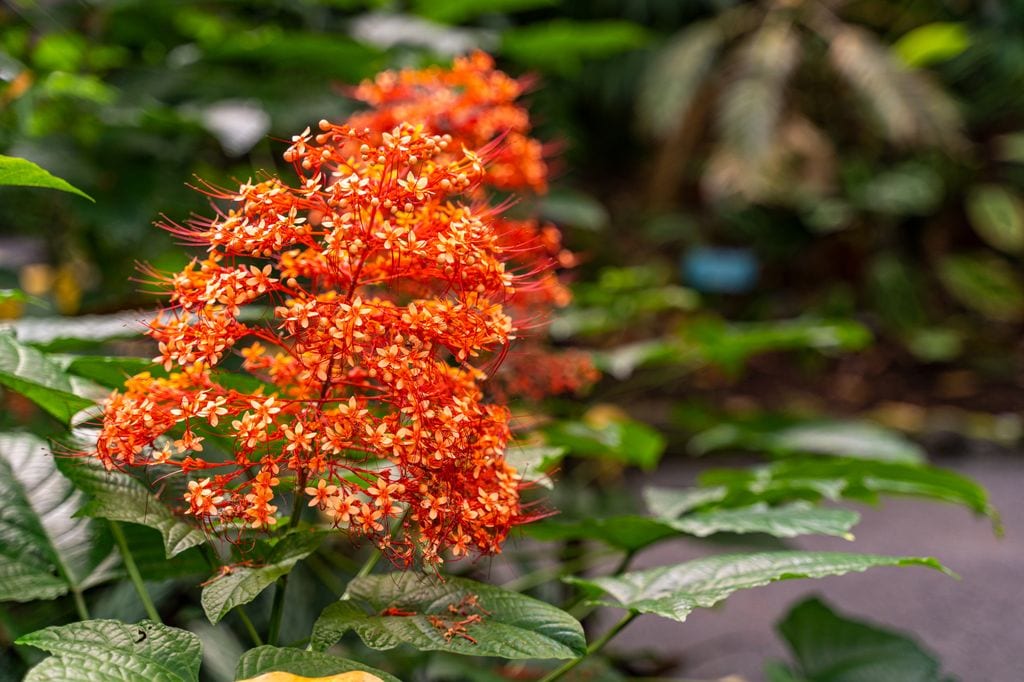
133,571
277,608
249,627
80,606
592,649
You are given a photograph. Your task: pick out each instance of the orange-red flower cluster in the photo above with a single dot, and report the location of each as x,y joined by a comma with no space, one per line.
377,286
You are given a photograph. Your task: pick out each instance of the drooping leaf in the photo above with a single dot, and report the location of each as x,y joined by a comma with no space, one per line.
675,591
984,283
671,503
839,438
932,43
620,440
831,648
908,105
752,104
116,496
27,371
627,532
672,81
24,173
106,371
836,478
997,214
116,652
244,583
561,45
406,608
266,659
45,551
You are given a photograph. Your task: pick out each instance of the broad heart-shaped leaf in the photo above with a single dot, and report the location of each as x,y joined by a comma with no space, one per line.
631,533
112,651
24,173
675,591
407,608
27,371
244,583
830,648
44,551
835,478
117,496
266,659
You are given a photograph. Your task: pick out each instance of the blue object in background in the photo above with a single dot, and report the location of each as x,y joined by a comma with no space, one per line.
720,270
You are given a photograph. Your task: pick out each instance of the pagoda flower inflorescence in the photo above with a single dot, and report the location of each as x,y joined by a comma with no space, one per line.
386,283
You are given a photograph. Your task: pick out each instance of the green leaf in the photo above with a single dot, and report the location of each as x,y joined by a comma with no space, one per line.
511,625
835,478
117,496
860,440
27,371
106,371
831,648
561,45
45,551
245,583
932,43
984,283
626,441
787,521
671,503
24,173
632,533
459,11
118,652
267,659
675,591
997,214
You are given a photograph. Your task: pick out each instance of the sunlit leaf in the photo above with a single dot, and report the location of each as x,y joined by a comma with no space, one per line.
311,664
45,551
116,652
244,583
831,648
932,43
409,608
24,173
625,441
675,591
27,371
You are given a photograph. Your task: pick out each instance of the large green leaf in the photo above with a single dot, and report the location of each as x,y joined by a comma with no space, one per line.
561,45
106,371
932,43
458,11
27,371
45,551
841,438
112,651
830,648
117,496
267,659
408,608
836,478
675,591
631,533
24,173
244,583
620,440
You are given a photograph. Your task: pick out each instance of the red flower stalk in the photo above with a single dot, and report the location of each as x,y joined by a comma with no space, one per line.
384,294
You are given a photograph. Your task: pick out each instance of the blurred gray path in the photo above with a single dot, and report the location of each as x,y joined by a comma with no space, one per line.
975,625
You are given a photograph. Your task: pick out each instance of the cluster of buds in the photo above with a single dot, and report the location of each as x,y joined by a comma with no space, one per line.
379,285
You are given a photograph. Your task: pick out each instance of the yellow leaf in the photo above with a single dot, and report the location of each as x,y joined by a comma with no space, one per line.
356,676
